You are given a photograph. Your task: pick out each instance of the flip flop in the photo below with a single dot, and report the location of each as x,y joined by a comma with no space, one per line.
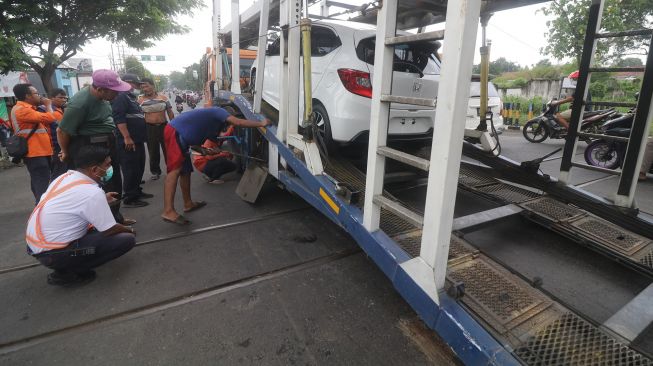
216,181
196,206
180,220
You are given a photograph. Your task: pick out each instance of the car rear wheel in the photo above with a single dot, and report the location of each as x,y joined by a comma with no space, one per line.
324,127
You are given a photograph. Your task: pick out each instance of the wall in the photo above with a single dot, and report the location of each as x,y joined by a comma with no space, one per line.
547,89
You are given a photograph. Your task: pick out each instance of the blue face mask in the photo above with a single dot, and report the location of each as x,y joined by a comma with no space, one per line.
108,175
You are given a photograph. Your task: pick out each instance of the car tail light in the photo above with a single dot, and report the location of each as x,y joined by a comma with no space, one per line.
357,82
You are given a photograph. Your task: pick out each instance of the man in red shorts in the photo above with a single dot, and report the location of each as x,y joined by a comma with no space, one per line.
186,130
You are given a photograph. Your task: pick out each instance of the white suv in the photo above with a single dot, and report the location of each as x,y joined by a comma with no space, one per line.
342,56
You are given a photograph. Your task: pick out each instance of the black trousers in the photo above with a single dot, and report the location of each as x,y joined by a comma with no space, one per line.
108,141
132,164
214,169
57,167
39,174
155,145
90,251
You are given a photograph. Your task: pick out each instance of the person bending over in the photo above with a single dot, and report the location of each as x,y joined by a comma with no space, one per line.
186,130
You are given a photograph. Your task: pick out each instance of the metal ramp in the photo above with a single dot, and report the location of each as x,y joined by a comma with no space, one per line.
487,314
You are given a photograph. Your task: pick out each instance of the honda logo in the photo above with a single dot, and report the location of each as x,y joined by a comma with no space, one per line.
417,86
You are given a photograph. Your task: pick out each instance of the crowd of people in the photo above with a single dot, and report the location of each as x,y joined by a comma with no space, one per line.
86,157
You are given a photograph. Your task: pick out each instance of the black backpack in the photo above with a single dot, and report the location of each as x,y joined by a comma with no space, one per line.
17,145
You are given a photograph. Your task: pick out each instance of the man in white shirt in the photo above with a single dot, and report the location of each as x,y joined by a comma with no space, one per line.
72,229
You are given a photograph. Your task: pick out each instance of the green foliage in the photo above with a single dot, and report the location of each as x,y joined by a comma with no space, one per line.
498,67
161,82
566,33
598,89
134,66
11,59
628,62
50,32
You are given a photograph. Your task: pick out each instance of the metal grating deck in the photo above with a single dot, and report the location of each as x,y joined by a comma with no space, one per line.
496,296
610,235
552,209
459,250
541,331
470,177
507,193
571,340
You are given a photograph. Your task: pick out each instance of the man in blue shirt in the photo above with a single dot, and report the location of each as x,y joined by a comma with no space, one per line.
188,129
131,135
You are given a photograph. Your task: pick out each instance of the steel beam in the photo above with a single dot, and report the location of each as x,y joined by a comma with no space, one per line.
235,46
260,60
294,65
461,26
582,86
625,195
380,112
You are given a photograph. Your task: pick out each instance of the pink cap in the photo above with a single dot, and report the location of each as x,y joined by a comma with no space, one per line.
109,79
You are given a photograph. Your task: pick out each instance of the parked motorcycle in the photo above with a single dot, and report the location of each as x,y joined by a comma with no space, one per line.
180,107
546,125
608,153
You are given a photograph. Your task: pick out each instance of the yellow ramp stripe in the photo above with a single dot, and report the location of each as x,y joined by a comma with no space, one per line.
329,201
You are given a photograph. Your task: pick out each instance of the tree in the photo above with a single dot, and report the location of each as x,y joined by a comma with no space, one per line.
566,33
628,62
47,33
499,66
134,66
161,81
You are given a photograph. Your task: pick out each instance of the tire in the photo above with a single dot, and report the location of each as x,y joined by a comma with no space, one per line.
535,131
324,127
603,154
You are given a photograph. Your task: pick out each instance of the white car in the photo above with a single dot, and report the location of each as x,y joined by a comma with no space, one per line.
493,102
342,60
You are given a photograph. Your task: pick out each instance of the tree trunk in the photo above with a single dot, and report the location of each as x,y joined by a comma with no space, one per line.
46,74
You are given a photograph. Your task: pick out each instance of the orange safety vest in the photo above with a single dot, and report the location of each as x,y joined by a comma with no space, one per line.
40,143
40,240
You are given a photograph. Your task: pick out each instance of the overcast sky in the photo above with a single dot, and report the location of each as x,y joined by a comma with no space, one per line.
516,34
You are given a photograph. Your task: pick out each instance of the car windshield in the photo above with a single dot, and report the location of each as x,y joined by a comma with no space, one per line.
408,58
475,90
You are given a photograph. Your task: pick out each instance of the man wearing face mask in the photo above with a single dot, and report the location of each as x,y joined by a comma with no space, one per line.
132,133
72,229
87,121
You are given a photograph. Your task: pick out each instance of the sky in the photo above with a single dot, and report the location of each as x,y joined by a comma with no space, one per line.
517,34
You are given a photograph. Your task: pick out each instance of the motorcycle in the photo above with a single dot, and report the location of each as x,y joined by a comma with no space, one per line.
608,153
546,125
180,107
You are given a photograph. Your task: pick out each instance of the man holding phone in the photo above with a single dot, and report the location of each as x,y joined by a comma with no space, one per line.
31,124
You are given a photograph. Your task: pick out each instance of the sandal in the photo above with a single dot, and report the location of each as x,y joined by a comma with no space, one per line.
196,206
180,220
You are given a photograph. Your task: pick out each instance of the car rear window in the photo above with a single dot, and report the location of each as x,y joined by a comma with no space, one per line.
408,58
475,90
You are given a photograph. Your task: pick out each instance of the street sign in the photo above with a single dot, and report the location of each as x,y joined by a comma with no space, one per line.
160,58
146,58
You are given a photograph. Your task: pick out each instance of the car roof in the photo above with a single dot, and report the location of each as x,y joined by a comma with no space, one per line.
346,24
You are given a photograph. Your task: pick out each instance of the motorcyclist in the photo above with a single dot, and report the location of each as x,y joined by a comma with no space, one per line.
564,117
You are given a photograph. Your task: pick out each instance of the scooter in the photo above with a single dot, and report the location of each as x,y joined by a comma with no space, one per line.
546,125
609,153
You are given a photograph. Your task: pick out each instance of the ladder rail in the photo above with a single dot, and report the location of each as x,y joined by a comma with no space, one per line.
582,86
639,131
380,112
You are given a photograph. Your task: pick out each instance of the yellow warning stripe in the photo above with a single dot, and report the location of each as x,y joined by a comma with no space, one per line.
329,201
